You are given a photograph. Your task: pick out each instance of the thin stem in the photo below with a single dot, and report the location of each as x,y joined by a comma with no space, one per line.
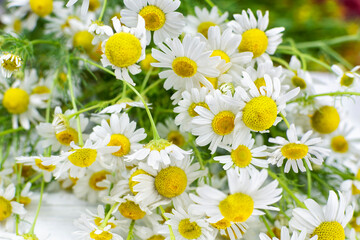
146,79
131,230
11,131
342,39
38,207
34,179
306,98
18,192
42,41
309,181
281,61
336,56
102,11
108,215
154,84
285,120
267,226
172,236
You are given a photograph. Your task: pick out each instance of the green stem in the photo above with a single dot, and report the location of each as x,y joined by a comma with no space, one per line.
108,215
342,39
18,193
131,230
11,131
42,41
34,179
309,181
102,10
285,120
38,207
154,84
336,56
267,226
281,61
306,98
146,79
172,236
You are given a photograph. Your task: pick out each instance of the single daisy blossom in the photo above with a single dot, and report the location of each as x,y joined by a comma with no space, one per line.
346,79
36,163
10,63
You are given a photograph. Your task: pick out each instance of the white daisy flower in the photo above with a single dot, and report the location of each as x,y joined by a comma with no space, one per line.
124,134
159,15
298,77
351,188
285,235
13,23
186,109
62,131
100,32
133,209
168,183
171,132
247,198
205,19
254,37
243,155
9,63
124,49
295,151
327,222
186,64
36,163
346,79
218,123
325,119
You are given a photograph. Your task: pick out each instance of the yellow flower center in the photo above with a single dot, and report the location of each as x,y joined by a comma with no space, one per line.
223,123
41,7
83,40
10,63
325,120
260,113
146,63
93,5
123,142
222,224
298,82
237,207
123,49
16,100
24,200
40,90
176,138
203,28
39,164
213,80
346,80
339,144
96,178
171,182
98,221
329,230
355,190
293,151
192,107
131,210
255,41
104,235
133,183
184,67
189,230
83,157
66,24
260,82
241,156
5,208
221,54
154,17
158,145
354,225
17,25
156,237
67,136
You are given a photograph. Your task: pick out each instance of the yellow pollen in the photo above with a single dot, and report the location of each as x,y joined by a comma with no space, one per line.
346,80
146,63
221,54
93,5
260,82
158,145
294,151
67,136
176,138
98,221
96,178
123,142
154,17
298,82
5,208
10,63
260,113
171,182
39,164
184,67
40,90
339,144
83,157
104,235
83,40
203,28
192,107
41,7
329,230
255,41
325,120
123,49
131,210
189,230
17,25
241,156
222,224
223,123
156,237
16,100
133,183
237,207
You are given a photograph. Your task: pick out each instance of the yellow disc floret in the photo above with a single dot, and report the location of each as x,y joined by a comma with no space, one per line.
223,123
131,210
192,107
221,54
133,183
213,80
40,90
171,182
98,221
260,82
237,207
255,41
298,82
158,144
12,63
154,17
355,190
41,7
83,157
184,67
93,5
122,141
339,144
189,230
16,100
123,49
294,151
346,80
176,138
48,168
260,113
156,237
222,224
146,63
67,136
83,40
203,28
241,156
329,230
104,235
325,120
96,178
5,208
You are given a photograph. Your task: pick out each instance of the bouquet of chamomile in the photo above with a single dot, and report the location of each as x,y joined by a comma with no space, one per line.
175,120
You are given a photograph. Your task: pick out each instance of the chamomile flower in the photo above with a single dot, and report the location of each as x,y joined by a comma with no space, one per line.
186,64
243,154
171,132
159,15
168,183
298,77
36,163
100,32
260,106
98,218
218,123
10,63
327,222
285,235
295,151
325,119
123,133
131,208
186,109
351,188
346,79
205,19
124,49
255,38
